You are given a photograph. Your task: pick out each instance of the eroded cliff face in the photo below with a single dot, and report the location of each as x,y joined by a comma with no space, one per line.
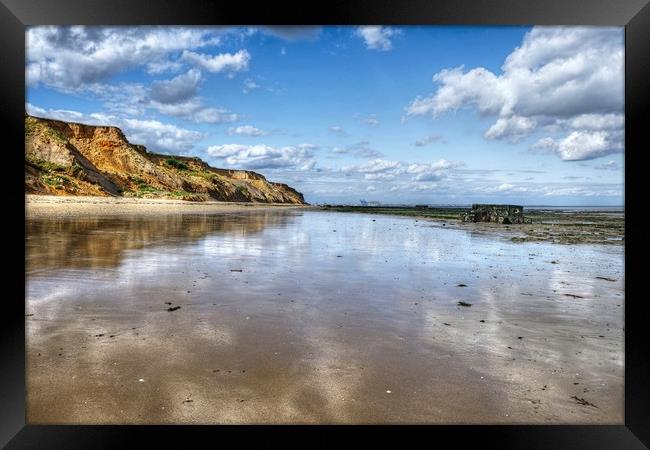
63,158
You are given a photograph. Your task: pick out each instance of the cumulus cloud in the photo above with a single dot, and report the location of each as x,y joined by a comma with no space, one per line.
429,140
581,145
560,79
337,129
247,130
432,172
196,111
58,114
223,62
360,149
264,157
375,166
177,89
513,128
379,176
377,37
70,57
158,135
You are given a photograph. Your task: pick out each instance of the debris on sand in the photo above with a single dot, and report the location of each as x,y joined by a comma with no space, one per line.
461,285
168,303
583,402
445,323
553,262
573,296
236,270
464,304
173,308
29,315
482,321
99,335
605,278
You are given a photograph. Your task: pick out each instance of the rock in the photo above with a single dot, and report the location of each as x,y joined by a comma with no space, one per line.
173,308
605,278
582,401
464,304
504,214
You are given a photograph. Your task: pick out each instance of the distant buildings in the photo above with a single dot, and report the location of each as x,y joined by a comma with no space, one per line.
365,203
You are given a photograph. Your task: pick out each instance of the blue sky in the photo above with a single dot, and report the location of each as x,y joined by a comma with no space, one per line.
432,114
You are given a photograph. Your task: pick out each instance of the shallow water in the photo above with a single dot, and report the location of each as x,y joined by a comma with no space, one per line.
317,317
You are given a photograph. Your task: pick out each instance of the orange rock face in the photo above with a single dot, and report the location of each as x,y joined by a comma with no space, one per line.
63,158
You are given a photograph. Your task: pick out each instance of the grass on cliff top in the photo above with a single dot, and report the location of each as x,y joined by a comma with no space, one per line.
33,126
176,164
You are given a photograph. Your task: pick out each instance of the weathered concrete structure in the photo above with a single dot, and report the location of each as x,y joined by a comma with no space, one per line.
506,214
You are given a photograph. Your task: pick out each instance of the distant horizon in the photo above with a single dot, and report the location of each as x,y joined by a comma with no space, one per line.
464,205
439,115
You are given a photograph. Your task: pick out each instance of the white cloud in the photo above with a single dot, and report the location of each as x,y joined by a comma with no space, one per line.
223,62
504,187
250,85
559,78
377,37
247,130
177,89
58,114
359,149
213,115
161,136
597,122
375,166
264,157
513,128
70,57
337,129
582,145
196,111
370,120
429,140
432,172
379,176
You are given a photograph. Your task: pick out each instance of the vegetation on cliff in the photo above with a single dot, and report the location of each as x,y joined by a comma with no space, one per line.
64,158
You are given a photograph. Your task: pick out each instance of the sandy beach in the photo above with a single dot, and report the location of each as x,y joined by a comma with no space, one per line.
293,315
39,206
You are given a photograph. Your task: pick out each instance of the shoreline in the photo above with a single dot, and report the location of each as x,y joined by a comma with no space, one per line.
547,226
50,206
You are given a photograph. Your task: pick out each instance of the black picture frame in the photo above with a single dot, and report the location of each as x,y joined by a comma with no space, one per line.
15,15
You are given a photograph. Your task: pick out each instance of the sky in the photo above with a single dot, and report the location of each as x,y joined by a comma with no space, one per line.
399,115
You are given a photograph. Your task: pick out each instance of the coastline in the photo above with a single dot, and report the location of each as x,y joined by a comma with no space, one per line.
46,206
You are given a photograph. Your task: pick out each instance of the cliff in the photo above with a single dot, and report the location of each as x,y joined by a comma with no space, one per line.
63,158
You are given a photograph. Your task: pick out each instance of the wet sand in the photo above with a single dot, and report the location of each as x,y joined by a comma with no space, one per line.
302,316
